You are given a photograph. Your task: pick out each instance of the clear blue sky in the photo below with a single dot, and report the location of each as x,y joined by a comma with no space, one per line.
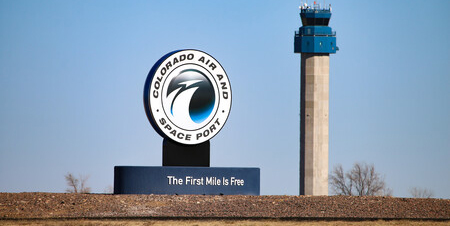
72,76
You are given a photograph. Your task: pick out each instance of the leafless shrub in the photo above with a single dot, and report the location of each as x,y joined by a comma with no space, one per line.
361,180
421,193
77,185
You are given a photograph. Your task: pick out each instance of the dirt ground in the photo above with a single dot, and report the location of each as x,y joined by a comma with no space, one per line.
214,223
104,209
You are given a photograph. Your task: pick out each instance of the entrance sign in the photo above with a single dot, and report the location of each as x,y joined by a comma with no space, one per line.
187,99
187,96
186,180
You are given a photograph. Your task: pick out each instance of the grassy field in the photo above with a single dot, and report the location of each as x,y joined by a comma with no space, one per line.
215,222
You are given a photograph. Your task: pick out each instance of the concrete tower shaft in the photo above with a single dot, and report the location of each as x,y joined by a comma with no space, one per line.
315,41
314,124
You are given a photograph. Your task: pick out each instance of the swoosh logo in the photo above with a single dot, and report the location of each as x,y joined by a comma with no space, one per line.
178,102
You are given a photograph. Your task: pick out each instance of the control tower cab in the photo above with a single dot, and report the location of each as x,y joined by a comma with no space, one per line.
315,36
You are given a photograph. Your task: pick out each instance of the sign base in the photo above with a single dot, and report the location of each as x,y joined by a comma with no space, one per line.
175,154
169,180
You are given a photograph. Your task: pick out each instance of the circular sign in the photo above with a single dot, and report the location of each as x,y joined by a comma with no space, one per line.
187,96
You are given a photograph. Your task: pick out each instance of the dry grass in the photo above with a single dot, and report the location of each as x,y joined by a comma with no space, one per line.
216,222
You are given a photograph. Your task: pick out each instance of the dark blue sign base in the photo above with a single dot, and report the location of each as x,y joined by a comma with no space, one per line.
186,180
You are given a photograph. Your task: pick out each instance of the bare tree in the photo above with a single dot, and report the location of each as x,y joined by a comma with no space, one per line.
77,185
339,183
83,187
421,193
361,180
72,182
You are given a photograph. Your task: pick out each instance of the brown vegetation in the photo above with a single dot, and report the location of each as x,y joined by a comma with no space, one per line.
361,180
77,185
145,222
100,206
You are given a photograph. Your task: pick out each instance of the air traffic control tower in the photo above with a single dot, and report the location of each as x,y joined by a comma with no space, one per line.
315,41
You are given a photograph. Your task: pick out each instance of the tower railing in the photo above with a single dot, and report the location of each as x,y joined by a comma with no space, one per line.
318,33
315,7
311,10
